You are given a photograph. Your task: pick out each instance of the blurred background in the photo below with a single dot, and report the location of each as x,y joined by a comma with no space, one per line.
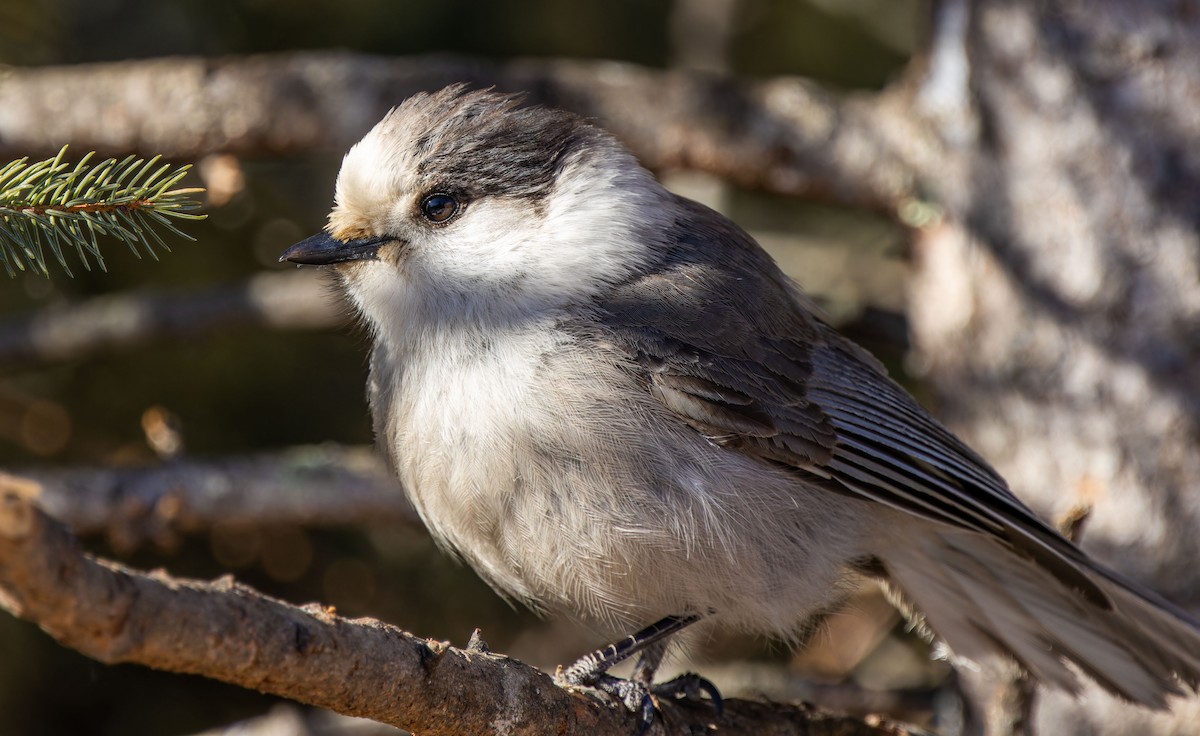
245,389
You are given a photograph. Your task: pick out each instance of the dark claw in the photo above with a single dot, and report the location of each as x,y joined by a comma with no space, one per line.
692,687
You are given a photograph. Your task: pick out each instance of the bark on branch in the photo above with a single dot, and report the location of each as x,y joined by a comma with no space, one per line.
783,135
363,667
326,484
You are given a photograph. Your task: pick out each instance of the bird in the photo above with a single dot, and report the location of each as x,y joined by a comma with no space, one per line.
610,402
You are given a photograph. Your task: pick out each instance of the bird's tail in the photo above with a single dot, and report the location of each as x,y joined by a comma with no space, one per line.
981,598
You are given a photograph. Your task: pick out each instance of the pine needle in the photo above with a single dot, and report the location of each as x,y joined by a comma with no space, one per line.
49,209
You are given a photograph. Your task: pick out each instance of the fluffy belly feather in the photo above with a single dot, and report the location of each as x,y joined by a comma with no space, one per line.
562,497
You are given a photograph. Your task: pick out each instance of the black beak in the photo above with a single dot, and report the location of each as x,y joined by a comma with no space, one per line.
321,250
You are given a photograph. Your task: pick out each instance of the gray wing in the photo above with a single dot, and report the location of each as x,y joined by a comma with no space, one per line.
758,373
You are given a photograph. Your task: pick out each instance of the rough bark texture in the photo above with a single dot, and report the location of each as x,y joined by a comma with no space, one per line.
360,668
1057,309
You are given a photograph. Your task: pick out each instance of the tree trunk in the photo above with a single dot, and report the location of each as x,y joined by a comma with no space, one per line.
1056,308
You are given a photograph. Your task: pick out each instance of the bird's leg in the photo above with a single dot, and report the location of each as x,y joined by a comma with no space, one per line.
590,667
648,662
638,691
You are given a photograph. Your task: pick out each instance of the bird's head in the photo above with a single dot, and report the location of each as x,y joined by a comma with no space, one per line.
466,201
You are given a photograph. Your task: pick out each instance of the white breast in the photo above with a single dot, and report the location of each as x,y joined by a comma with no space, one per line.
468,404
565,484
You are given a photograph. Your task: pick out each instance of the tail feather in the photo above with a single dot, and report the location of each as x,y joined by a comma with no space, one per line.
1060,624
981,598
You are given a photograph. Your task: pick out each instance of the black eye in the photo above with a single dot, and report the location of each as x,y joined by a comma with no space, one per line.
439,207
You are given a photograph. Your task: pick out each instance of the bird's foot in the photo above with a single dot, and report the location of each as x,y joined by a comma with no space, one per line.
642,700
637,694
633,695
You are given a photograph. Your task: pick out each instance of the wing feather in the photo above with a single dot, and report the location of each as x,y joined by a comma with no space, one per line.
773,381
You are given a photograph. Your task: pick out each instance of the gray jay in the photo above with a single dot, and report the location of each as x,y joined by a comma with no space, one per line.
610,402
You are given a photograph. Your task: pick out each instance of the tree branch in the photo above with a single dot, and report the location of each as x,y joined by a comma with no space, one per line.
297,486
783,135
362,667
296,299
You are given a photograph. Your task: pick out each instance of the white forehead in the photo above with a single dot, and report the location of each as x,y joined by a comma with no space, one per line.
379,167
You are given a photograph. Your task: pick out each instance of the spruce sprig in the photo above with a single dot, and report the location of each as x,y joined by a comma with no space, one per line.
52,206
